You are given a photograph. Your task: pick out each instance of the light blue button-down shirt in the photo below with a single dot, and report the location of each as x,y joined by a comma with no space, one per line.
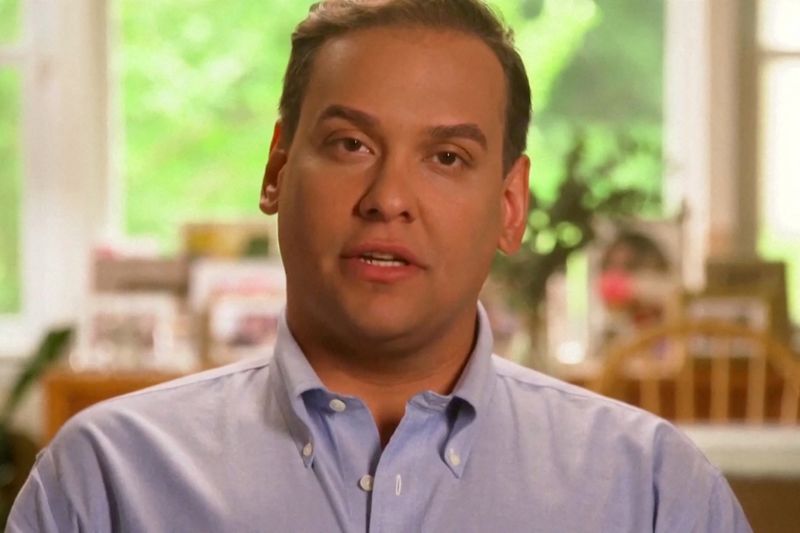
264,446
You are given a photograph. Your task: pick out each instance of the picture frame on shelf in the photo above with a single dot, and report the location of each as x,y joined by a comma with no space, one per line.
211,278
766,279
750,310
127,331
237,305
634,277
237,239
242,326
740,308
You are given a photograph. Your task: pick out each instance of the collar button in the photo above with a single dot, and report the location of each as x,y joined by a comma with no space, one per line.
337,405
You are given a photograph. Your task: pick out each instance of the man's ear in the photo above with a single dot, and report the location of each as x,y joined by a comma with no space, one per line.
515,205
271,186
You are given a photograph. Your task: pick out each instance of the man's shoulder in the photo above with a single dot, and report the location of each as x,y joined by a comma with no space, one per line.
180,403
602,447
570,409
211,378
212,382
527,383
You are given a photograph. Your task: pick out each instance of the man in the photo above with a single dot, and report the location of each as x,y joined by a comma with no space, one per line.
396,171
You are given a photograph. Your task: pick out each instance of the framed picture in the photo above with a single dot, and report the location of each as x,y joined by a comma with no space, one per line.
228,240
766,279
748,310
241,326
127,331
209,279
237,304
634,278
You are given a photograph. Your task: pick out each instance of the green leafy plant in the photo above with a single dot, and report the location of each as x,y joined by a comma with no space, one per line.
17,451
592,186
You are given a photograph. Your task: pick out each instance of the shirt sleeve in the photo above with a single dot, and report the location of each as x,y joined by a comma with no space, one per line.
691,494
724,515
41,507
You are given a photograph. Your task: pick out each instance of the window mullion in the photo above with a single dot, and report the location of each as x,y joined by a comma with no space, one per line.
65,161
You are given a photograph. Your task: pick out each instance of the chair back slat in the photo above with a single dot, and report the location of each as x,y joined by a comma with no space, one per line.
756,388
787,365
789,400
684,384
720,378
650,393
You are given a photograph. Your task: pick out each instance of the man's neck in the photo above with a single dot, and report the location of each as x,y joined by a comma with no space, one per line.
385,378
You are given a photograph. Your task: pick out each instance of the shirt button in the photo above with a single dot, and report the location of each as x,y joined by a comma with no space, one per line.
365,482
454,458
337,405
308,449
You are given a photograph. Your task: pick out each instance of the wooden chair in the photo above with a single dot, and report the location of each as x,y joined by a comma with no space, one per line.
705,371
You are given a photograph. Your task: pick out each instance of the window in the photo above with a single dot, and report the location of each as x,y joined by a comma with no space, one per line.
199,94
10,198
53,88
779,160
10,155
9,21
607,82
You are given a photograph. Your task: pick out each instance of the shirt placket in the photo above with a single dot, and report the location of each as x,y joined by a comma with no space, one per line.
347,451
409,468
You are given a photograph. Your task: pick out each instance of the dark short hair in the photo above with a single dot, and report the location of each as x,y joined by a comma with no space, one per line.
330,18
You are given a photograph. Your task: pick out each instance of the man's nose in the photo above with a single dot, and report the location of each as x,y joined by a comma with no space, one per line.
390,193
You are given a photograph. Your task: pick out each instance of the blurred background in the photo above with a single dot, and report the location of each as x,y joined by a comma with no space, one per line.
665,175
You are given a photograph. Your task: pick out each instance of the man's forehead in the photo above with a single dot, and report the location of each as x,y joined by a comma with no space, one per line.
412,67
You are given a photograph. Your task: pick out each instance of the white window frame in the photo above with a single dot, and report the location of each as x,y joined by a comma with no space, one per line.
710,168
66,191
764,54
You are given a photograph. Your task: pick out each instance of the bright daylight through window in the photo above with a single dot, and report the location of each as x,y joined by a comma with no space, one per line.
199,93
10,156
779,55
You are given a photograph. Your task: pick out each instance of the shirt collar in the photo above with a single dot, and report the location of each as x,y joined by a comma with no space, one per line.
295,376
474,388
474,385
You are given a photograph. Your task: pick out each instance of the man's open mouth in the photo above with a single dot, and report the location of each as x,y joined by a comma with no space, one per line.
382,259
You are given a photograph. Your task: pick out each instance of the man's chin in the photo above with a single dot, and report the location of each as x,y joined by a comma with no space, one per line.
382,328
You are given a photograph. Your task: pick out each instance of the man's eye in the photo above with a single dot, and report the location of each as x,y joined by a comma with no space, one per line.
352,145
447,159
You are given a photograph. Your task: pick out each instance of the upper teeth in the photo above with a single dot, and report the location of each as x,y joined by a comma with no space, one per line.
381,259
379,255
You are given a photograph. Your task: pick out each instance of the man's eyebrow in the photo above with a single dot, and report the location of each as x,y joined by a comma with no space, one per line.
359,118
468,131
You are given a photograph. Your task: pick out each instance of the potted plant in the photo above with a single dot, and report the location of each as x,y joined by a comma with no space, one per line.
17,450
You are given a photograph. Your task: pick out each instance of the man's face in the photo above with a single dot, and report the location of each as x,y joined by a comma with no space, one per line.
391,197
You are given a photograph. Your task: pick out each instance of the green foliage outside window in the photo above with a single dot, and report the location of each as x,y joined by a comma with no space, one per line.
596,140
9,166
201,82
200,85
9,20
9,192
